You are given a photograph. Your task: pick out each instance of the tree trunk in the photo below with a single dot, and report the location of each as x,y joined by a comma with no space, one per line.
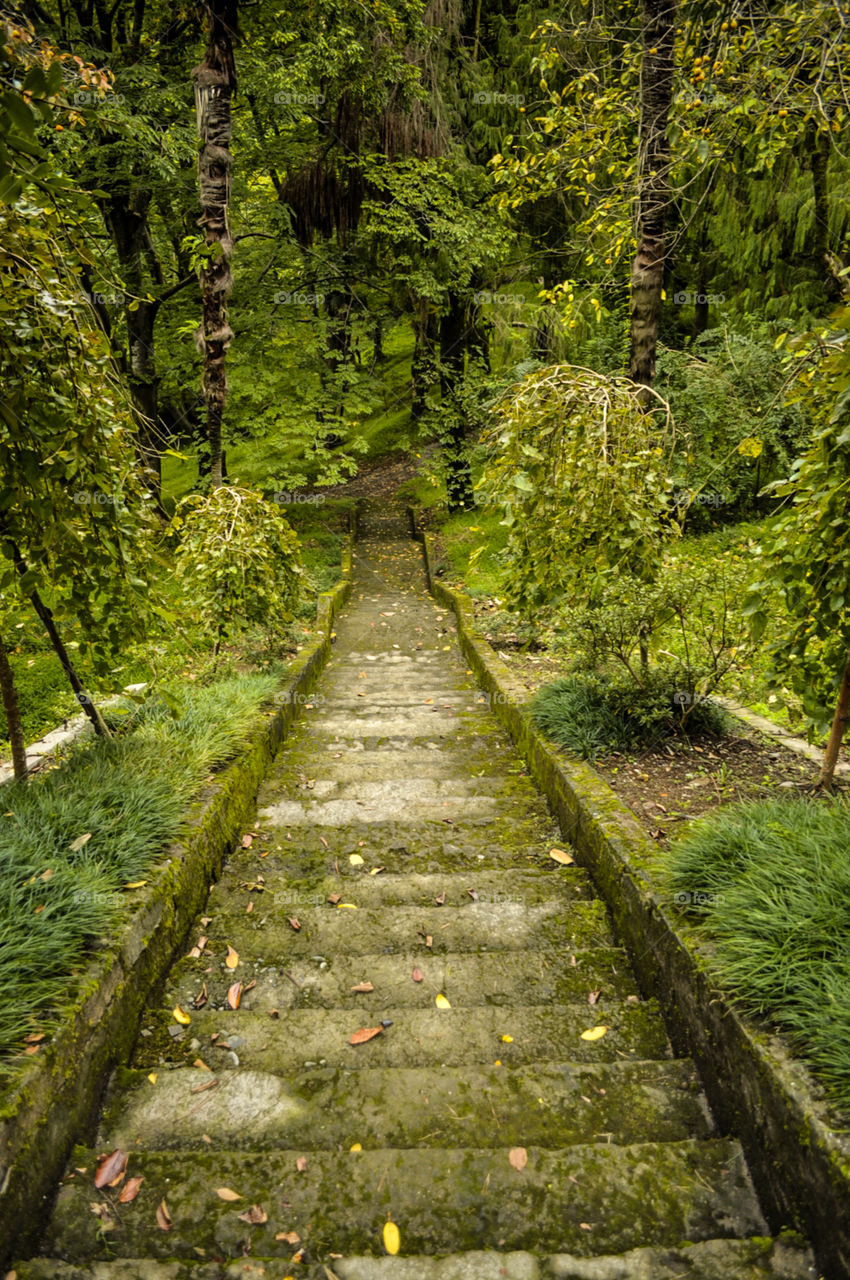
653,186
215,84
453,341
826,266
423,369
13,715
836,733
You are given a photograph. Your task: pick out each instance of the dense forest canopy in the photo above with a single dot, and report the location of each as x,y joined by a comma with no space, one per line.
588,263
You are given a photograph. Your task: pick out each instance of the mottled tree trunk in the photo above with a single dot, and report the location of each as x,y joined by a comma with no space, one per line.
653,189
13,715
454,337
839,728
826,264
215,83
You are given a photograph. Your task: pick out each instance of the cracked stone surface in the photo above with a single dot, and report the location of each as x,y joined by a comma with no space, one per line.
400,854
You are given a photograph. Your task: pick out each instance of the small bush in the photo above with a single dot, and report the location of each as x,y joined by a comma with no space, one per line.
770,883
592,714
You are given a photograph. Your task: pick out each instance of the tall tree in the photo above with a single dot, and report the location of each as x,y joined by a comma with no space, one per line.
215,84
653,185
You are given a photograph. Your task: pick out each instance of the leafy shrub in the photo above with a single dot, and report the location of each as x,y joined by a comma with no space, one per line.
592,714
770,883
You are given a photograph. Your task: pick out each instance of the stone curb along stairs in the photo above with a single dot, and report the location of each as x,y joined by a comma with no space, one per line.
799,1163
52,1102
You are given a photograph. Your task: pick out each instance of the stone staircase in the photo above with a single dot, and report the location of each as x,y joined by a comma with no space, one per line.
399,878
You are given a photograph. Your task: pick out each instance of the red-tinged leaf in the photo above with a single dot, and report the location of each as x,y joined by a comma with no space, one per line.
301,1164
130,1190
234,995
291,1237
295,922
256,1215
364,1034
247,841
201,998
110,1167
34,1037
163,1217
224,1193
334,898
593,996
363,987
418,975
518,1157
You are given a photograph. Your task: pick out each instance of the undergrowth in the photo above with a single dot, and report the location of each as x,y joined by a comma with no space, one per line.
72,839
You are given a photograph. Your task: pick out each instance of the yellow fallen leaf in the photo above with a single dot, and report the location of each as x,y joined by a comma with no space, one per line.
392,1238
595,1033
442,1003
181,1016
566,859
224,1193
356,1146
135,884
232,958
355,860
506,1039
152,1077
350,906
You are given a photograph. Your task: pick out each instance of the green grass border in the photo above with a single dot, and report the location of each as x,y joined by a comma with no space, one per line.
53,1103
757,1090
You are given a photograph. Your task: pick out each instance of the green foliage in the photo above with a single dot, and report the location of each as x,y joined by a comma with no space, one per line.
241,557
581,474
769,881
119,802
592,714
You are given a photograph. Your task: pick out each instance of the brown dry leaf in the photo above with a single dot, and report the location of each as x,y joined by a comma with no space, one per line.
301,1164
163,1217
46,875
324,842
429,941
440,899
76,845
201,1065
291,1237
34,1037
363,987
334,898
205,920
249,908
518,1157
256,1215
202,1088
131,1189
274,1013
201,998
585,1226
565,859
32,1048
249,986
224,1193
593,996
418,975
473,893
295,922
247,841
232,958
234,995
364,1034
110,1167
195,953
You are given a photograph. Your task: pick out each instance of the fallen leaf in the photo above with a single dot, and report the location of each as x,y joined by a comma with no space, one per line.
232,958
35,1037
136,884
32,1048
355,859
247,841
593,996
565,859
274,1013
506,1039
473,893
301,1164
201,998
46,875
163,1217
349,906
202,1088
356,1146
585,1226
110,1167
224,1193
77,844
440,899
152,1077
392,1238
181,1016
249,908
418,975
324,842
429,941
595,1033
256,1215
375,871
234,995
334,898
295,923
518,1157
130,1190
366,1033
441,1002
291,1237
363,987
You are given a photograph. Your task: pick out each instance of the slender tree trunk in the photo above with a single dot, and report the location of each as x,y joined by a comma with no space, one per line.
215,84
826,265
453,342
423,369
13,715
653,186
836,734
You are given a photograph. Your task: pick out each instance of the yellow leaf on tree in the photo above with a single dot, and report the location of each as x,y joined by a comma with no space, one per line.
392,1238
595,1033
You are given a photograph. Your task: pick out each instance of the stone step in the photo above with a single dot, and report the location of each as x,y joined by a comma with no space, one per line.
500,979
240,884
547,1104
760,1258
377,766
404,794
599,1199
266,936
416,1038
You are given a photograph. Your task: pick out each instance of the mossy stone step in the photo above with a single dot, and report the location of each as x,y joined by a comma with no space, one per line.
551,1104
266,936
500,979
416,1038
585,1200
